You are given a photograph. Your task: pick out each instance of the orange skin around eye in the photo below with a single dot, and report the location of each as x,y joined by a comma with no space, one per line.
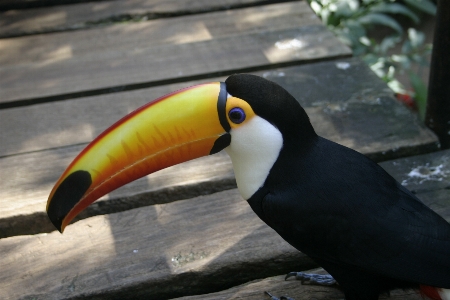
233,102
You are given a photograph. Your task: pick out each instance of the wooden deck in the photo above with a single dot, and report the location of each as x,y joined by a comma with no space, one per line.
67,72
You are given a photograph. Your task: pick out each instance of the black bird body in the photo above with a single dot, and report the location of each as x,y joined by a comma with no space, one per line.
356,221
341,208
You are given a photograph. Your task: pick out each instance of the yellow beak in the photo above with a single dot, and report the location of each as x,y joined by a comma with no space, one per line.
178,127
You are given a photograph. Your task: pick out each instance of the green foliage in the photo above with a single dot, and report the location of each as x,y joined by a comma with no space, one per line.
420,94
351,20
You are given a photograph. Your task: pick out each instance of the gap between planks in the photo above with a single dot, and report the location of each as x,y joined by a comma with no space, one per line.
361,114
339,99
277,286
17,21
213,43
183,248
150,84
188,247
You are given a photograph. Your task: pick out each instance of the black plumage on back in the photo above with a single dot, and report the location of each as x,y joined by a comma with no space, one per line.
355,220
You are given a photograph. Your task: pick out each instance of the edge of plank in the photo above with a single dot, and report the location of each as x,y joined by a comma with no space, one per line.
337,115
44,17
186,247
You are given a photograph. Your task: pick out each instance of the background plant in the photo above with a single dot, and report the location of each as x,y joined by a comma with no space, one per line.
353,21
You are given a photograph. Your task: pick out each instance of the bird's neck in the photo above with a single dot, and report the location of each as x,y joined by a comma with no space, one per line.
253,150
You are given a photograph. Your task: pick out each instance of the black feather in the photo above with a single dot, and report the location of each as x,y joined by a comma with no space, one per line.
342,209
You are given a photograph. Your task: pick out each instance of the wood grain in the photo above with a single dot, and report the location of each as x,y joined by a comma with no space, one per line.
174,31
428,176
352,107
360,114
187,247
277,286
85,15
142,53
26,182
158,252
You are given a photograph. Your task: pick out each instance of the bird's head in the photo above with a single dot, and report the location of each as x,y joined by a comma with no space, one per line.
248,116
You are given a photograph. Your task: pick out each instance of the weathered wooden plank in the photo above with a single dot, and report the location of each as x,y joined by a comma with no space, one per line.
350,106
277,286
143,53
26,181
361,114
85,15
173,31
24,4
159,252
186,247
428,176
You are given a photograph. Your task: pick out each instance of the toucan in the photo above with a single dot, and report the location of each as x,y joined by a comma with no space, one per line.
330,202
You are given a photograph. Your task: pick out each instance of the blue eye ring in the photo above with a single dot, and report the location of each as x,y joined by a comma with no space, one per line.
236,115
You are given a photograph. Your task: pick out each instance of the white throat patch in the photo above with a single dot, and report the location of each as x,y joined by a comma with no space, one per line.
254,148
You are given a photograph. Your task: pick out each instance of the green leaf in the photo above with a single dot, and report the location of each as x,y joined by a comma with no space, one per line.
324,15
370,59
388,43
416,37
353,4
420,90
403,60
407,48
350,33
316,7
395,8
391,73
382,19
365,41
396,86
378,68
423,5
368,2
355,28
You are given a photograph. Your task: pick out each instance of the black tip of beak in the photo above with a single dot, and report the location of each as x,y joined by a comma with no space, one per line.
67,196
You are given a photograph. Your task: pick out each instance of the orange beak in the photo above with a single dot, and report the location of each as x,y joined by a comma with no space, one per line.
178,127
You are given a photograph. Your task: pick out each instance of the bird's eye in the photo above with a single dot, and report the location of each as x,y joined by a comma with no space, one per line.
236,115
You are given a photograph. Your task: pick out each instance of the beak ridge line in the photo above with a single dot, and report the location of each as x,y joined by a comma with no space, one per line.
221,107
